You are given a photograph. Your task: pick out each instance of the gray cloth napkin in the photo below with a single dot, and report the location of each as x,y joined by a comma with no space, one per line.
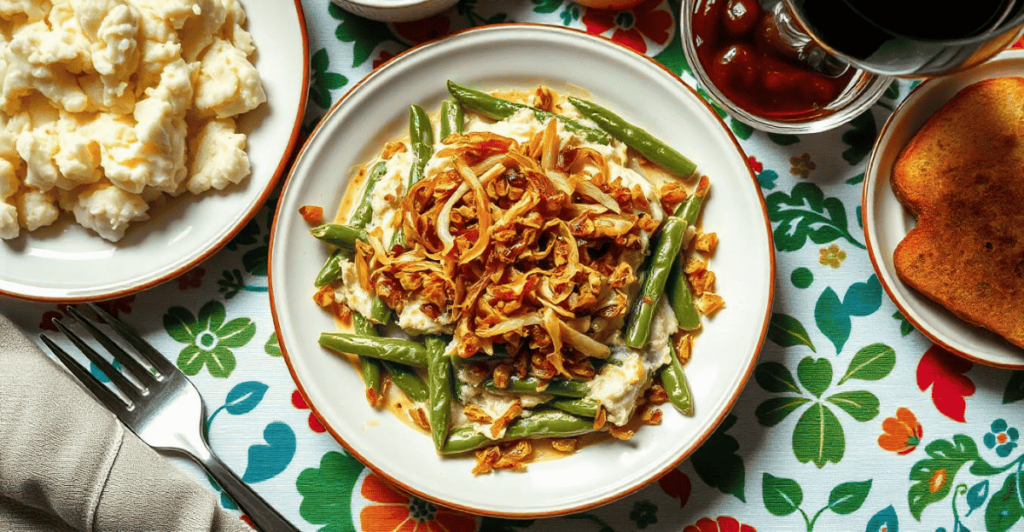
66,463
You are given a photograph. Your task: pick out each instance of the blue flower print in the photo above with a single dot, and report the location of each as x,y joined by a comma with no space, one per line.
1002,438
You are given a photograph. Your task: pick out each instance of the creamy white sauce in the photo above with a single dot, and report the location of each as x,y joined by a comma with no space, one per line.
629,372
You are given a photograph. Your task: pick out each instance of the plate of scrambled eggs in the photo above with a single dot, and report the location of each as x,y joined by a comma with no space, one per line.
138,136
524,236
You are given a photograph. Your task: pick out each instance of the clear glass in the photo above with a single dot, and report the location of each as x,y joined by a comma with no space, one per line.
910,38
859,95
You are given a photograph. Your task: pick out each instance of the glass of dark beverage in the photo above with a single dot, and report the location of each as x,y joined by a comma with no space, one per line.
904,38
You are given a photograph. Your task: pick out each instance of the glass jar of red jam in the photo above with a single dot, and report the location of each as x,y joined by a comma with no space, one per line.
746,63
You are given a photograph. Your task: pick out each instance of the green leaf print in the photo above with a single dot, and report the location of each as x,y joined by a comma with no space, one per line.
862,405
1014,388
871,363
772,411
741,130
1005,508
833,316
546,6
209,340
273,346
644,514
783,140
819,437
718,465
787,331
860,138
856,180
321,81
893,91
933,477
365,34
711,101
848,497
782,496
905,326
327,492
832,321
672,56
775,377
815,375
805,214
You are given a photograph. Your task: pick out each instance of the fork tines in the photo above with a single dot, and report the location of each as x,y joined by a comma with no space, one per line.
142,375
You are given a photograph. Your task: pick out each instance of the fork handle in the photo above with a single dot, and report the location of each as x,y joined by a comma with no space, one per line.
262,515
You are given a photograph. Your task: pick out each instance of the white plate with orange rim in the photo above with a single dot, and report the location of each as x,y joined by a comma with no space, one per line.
886,221
67,263
374,112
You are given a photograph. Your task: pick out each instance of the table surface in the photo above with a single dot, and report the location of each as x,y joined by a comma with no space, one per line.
922,441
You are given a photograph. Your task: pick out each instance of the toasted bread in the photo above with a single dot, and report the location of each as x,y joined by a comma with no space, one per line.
962,176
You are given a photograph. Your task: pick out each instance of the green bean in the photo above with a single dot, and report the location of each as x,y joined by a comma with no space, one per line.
674,381
562,388
369,368
680,296
637,138
408,381
638,327
679,292
541,424
499,109
364,211
421,139
579,407
393,349
452,118
330,270
340,235
439,373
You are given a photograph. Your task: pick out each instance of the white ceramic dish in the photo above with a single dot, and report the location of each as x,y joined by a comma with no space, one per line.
886,222
395,10
68,263
376,111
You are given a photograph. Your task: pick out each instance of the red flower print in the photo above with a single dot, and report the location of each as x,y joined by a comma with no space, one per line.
755,165
944,373
393,511
424,30
722,524
676,484
631,26
46,322
300,403
901,434
191,279
118,306
384,57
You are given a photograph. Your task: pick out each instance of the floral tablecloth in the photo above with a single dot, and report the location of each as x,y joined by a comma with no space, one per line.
853,420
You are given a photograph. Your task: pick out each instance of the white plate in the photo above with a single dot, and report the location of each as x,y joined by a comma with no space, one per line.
490,58
68,263
886,222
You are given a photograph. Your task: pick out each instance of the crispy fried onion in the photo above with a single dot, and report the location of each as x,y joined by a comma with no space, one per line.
529,247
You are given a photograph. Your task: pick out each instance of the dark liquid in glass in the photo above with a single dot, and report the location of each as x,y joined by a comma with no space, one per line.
912,37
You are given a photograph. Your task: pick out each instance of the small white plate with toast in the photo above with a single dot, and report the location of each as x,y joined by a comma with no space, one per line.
887,221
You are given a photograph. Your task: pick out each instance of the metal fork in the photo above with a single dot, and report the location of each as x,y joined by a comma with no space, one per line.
166,411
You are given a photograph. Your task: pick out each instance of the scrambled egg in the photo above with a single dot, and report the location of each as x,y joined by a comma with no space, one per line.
109,105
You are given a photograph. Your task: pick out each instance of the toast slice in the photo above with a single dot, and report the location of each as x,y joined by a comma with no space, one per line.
962,176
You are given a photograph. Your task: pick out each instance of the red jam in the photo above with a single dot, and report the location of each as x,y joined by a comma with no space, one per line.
735,45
